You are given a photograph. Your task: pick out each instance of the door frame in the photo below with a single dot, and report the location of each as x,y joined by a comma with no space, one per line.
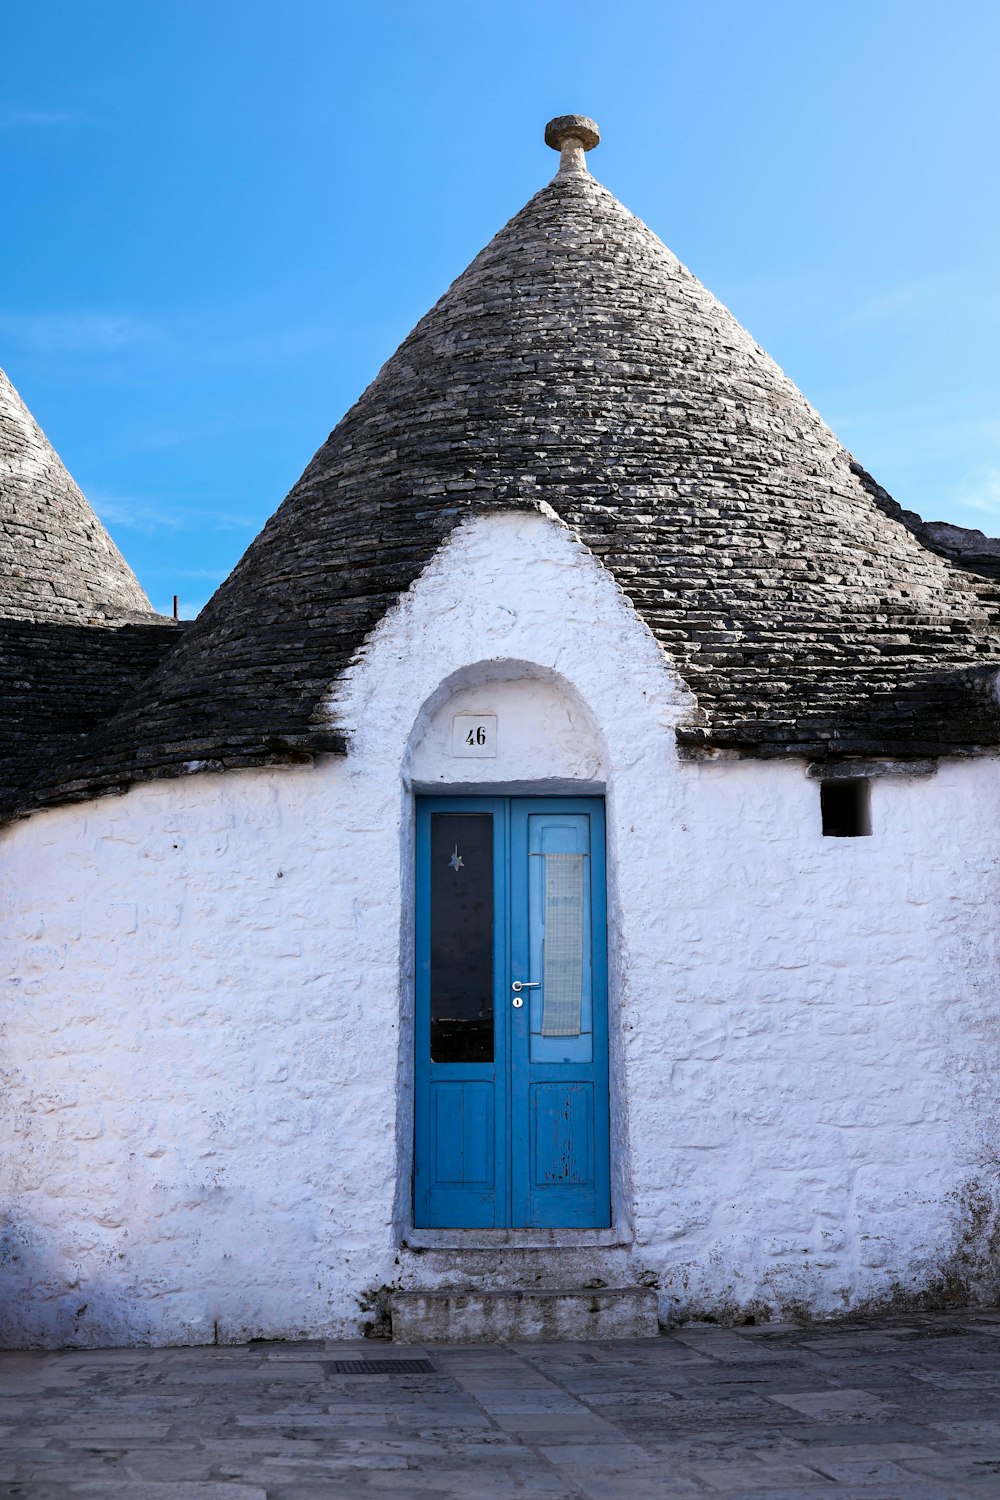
416,924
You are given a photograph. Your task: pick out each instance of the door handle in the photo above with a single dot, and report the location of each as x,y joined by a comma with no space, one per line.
521,984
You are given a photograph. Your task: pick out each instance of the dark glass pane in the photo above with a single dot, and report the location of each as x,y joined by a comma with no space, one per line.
461,937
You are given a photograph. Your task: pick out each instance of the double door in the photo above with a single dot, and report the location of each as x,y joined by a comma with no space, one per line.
511,1014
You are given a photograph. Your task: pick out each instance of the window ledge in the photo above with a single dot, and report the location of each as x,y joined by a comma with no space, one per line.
515,1239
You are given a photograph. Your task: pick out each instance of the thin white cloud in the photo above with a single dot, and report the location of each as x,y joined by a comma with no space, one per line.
90,331
888,434
135,515
813,301
80,332
16,117
151,519
924,293
290,343
980,491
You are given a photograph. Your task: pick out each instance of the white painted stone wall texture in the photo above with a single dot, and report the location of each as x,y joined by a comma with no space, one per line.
207,1035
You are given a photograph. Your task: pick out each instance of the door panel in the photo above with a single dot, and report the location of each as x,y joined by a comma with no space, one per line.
462,1150
463,1134
460,1159
562,1129
560,1175
511,1086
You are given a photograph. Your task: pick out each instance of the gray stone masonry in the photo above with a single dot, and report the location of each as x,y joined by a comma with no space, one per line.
77,633
538,1313
57,562
895,1409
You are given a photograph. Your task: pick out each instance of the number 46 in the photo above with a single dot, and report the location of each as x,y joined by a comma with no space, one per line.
476,736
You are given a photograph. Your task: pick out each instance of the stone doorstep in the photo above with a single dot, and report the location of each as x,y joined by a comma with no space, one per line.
450,1316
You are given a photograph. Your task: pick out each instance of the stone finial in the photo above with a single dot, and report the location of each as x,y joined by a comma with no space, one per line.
572,136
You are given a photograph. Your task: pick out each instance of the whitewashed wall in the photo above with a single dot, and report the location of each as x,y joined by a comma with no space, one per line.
206,1026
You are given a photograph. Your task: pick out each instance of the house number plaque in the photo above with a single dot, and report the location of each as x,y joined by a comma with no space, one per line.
474,735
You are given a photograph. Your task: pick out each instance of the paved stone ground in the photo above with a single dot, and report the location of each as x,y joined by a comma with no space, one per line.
905,1408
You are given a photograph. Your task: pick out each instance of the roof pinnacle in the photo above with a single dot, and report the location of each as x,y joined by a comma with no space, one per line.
572,136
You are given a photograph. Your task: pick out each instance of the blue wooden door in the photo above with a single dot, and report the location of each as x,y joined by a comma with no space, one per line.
511,1014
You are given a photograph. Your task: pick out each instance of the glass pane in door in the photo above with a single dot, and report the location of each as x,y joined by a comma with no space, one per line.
562,945
461,937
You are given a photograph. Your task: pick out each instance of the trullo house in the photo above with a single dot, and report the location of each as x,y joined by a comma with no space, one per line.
552,884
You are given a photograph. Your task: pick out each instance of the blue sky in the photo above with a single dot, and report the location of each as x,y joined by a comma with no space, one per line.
221,216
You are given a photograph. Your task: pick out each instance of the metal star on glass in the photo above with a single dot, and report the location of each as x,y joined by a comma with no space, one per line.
456,862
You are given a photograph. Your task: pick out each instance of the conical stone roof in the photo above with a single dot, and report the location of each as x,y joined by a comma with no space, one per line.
57,562
577,362
77,633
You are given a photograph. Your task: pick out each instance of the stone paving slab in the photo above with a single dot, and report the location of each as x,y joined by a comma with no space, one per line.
899,1409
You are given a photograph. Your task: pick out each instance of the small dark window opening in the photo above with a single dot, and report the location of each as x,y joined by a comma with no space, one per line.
846,809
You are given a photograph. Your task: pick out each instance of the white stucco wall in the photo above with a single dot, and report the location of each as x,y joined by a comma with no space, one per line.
206,1031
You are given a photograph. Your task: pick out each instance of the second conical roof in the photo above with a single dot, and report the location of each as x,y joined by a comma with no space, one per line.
57,562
